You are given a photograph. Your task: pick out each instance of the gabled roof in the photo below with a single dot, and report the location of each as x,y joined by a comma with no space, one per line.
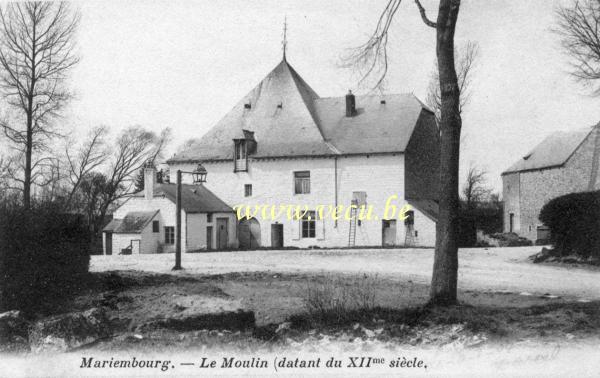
194,198
554,151
289,119
133,223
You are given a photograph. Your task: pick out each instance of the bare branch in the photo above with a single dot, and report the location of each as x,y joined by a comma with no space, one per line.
474,189
466,57
578,27
427,21
90,156
371,58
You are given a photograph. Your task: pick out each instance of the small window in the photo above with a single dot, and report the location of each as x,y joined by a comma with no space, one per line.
302,182
410,218
155,226
208,217
169,235
308,224
359,198
248,190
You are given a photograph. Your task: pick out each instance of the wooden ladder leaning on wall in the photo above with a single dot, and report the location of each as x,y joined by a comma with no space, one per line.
352,230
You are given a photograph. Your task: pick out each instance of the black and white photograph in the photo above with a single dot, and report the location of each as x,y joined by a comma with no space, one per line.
300,188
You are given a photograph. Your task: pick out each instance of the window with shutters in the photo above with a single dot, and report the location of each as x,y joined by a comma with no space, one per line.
302,182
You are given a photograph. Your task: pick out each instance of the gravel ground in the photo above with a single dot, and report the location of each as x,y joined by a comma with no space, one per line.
493,269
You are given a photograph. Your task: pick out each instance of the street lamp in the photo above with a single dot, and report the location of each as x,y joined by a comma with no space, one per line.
198,177
199,174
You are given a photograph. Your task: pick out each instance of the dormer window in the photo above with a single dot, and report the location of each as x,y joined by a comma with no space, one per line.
243,146
240,156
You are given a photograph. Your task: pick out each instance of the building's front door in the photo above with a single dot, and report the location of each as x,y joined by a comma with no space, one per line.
108,243
388,231
209,237
222,234
136,247
249,233
277,235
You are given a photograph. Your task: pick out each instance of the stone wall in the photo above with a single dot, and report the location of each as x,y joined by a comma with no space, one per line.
536,188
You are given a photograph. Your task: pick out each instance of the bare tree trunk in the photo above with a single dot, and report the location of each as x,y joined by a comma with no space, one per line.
445,266
27,173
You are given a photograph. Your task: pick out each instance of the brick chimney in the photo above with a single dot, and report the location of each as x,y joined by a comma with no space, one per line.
149,180
350,105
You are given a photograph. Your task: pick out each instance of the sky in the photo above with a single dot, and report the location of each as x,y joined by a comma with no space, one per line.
184,64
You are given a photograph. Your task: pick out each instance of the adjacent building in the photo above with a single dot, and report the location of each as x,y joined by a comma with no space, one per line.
145,222
564,162
282,144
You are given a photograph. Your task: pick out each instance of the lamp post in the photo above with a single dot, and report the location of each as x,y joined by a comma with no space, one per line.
198,177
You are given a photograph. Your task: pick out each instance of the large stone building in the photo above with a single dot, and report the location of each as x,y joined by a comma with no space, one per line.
564,162
282,144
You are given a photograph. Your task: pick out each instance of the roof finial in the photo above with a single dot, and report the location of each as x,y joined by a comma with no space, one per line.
284,43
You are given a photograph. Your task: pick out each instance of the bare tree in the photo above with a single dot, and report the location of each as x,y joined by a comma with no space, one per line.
5,164
89,156
578,26
466,61
475,190
36,53
134,147
372,59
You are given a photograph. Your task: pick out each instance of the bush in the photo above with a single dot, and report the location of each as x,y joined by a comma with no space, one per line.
43,257
574,221
485,216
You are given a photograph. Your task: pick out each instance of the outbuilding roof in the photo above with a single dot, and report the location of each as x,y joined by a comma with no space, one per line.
133,223
194,198
289,119
554,151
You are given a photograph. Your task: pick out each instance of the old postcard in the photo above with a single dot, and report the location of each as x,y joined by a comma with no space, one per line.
305,188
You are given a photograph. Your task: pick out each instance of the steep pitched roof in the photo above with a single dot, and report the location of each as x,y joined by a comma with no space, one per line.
306,125
194,198
383,123
289,130
133,223
554,151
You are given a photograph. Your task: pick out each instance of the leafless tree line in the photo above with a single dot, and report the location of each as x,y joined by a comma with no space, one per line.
37,53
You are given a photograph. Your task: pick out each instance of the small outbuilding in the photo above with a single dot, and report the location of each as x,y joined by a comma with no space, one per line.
145,222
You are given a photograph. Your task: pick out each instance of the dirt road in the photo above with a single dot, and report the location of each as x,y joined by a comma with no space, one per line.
480,269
